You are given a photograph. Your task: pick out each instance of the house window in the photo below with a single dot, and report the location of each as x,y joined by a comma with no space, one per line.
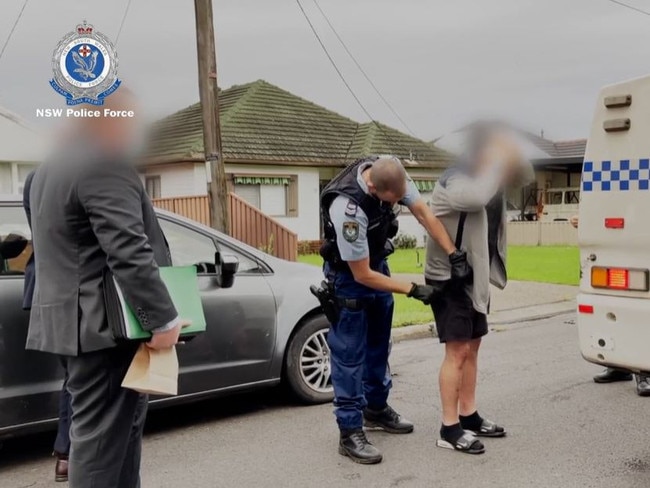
152,184
276,196
19,174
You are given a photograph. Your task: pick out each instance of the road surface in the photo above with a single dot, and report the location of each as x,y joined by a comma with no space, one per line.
564,430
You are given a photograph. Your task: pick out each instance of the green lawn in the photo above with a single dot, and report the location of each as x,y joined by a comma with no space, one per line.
548,264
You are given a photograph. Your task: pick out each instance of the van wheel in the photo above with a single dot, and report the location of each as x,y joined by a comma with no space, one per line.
307,363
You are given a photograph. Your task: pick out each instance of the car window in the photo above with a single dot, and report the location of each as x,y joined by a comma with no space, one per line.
246,264
15,241
187,246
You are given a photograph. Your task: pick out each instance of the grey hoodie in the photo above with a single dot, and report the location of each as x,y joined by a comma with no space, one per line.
457,191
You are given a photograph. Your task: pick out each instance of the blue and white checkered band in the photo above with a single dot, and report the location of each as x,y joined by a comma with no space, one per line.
623,175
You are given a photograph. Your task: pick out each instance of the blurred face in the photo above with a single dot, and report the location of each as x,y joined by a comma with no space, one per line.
502,146
118,134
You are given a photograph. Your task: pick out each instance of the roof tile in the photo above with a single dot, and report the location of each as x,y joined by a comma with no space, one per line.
261,122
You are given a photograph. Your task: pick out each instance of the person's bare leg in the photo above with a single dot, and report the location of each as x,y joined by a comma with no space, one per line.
467,393
451,375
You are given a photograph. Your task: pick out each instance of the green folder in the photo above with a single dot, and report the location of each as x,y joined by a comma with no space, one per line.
183,286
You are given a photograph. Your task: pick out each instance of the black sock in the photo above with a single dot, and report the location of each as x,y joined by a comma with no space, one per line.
451,433
471,422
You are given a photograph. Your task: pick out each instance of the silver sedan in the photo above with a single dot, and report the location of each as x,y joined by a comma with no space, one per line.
265,329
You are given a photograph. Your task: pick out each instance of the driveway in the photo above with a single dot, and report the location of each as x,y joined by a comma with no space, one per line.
564,430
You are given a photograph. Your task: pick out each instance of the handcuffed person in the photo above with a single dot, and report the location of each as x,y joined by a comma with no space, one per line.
468,200
357,207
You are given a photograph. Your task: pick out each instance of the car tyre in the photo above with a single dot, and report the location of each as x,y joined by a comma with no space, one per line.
307,363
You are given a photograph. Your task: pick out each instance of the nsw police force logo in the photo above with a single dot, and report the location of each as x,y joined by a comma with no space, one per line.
85,67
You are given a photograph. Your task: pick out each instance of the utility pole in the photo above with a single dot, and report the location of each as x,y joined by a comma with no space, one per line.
208,91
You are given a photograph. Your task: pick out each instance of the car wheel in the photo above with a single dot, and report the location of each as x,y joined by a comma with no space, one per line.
307,368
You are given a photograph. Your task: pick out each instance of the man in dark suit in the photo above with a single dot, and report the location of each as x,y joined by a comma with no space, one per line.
62,441
90,214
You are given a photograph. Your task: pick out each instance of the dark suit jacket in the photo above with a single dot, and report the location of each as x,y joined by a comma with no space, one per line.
30,272
90,214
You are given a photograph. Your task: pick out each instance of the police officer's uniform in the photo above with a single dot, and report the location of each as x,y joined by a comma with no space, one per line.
358,226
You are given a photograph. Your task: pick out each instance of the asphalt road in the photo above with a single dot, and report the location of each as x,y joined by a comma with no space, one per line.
564,430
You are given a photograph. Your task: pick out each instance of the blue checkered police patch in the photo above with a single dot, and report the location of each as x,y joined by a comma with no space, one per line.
623,175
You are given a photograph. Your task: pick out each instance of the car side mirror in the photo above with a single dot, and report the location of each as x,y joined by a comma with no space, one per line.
227,267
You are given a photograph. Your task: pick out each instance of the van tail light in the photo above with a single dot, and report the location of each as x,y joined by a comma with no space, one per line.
614,223
619,278
585,309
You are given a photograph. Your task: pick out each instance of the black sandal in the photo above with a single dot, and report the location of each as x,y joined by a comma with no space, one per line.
490,429
466,443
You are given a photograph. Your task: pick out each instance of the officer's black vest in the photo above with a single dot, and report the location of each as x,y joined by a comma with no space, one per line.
382,222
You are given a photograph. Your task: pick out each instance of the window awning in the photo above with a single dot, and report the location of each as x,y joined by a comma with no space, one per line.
424,185
261,180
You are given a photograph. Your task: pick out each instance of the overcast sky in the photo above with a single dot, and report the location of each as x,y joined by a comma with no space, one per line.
440,63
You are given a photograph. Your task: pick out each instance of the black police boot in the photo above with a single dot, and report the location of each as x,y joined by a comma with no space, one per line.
643,384
611,375
356,446
388,420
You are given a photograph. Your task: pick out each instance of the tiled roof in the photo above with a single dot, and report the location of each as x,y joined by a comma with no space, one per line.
559,149
571,149
539,147
262,123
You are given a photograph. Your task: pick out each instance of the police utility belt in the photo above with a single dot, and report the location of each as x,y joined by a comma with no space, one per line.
332,305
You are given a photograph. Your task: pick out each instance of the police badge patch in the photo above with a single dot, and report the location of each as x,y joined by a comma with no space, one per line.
85,66
350,231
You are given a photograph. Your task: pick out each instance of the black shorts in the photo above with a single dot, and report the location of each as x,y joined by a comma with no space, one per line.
456,319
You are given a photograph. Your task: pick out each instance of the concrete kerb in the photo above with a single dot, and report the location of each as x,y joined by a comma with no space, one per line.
496,320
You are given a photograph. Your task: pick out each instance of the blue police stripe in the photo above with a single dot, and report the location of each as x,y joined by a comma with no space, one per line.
622,175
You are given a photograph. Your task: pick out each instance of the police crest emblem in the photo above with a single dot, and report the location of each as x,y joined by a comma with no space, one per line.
85,66
350,231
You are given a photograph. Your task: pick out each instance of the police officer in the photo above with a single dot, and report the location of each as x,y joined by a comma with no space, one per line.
357,207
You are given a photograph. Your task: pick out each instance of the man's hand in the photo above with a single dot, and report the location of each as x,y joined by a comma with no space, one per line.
424,293
169,338
460,268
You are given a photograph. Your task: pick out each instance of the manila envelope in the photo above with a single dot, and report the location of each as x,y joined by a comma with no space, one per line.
153,371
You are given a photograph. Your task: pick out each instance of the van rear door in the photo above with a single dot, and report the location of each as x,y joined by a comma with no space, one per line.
614,229
615,208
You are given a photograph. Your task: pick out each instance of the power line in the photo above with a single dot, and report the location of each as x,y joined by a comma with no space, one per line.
20,14
126,12
345,82
363,72
322,45
631,7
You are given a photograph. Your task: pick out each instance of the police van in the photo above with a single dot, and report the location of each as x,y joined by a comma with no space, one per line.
614,230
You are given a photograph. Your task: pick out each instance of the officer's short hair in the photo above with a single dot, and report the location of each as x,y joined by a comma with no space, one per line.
388,175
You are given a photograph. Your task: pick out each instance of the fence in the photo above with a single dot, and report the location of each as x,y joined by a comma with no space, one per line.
195,208
247,223
256,229
542,234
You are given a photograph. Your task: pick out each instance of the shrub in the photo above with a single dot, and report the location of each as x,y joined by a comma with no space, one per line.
405,241
308,247
270,247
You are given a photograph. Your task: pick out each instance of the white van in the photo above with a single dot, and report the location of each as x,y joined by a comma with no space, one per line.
560,204
614,230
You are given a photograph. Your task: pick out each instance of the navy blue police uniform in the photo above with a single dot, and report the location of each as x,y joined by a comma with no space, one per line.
357,225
